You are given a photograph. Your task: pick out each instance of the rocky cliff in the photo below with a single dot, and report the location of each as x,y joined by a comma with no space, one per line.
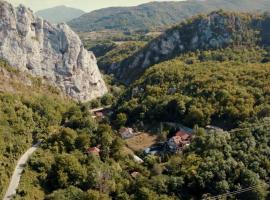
53,52
213,31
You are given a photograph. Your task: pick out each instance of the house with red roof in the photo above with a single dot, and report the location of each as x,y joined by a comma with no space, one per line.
183,134
93,150
179,141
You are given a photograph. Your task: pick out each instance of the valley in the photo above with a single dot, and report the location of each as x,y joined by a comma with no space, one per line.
172,103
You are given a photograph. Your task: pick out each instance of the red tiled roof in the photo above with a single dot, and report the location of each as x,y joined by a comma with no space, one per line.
93,150
184,135
99,114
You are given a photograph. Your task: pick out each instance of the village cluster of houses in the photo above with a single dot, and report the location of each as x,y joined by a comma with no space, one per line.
175,144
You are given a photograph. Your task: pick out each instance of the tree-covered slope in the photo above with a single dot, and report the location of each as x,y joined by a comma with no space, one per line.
117,54
215,163
228,87
28,109
222,87
216,30
158,14
235,82
59,14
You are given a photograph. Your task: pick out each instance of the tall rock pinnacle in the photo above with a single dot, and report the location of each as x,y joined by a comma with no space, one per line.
52,52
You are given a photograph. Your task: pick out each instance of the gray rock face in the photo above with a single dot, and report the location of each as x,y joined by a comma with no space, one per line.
53,52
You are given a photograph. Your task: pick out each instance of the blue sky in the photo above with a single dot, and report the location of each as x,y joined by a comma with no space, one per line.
86,5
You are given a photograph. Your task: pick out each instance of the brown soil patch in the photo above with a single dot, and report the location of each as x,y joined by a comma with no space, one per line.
142,141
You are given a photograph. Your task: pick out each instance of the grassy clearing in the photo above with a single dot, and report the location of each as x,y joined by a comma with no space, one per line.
142,141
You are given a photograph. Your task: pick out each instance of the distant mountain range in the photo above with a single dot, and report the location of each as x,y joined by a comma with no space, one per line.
158,14
59,14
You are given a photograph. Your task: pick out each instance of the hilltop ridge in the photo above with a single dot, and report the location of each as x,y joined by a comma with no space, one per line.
216,30
158,15
59,14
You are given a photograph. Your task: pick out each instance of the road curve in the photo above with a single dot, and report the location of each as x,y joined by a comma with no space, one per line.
15,179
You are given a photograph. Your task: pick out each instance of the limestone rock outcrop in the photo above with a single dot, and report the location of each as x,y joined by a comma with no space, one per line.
52,52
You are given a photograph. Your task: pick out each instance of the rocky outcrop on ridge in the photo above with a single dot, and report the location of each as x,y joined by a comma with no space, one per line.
53,52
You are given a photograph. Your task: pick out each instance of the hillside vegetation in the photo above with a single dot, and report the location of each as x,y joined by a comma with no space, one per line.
223,87
28,109
120,52
156,15
213,164
205,32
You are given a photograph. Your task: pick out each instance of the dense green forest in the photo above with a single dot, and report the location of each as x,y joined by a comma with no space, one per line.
118,54
224,87
215,163
28,109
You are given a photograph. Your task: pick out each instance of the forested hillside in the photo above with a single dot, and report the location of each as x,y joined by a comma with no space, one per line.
156,15
215,163
28,111
118,53
205,32
230,86
223,87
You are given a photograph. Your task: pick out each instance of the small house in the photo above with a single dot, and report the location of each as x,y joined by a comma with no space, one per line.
93,150
179,141
183,134
174,142
135,174
126,133
99,115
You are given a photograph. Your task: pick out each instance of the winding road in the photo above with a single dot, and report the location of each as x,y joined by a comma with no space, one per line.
15,180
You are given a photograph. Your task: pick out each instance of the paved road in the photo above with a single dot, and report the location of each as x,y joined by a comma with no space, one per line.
15,180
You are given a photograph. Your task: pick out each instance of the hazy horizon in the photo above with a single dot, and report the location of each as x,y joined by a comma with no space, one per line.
85,5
